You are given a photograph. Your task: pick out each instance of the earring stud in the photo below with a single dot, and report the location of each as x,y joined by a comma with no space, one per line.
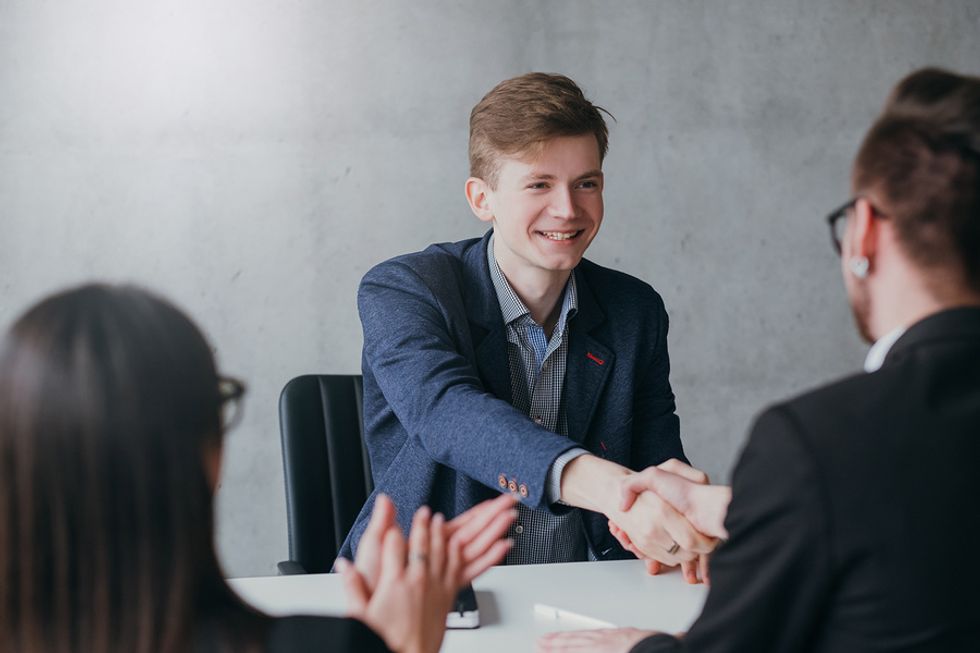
859,266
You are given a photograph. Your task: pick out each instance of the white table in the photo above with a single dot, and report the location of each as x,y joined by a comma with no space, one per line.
619,593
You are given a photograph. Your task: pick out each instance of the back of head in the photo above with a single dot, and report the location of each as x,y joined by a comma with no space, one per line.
937,95
921,163
521,113
108,399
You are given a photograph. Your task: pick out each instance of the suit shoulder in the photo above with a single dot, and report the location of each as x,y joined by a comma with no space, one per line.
821,416
619,288
436,265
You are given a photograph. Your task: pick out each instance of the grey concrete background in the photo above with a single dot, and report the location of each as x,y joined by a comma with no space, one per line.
252,159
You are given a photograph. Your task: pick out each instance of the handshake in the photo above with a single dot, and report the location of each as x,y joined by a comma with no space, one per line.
666,515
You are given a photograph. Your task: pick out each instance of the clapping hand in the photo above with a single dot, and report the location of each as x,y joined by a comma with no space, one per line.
403,592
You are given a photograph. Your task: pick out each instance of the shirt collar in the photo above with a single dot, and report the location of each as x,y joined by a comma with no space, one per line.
879,350
511,306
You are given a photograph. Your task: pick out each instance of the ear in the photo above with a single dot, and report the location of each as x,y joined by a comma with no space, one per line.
478,195
212,464
865,231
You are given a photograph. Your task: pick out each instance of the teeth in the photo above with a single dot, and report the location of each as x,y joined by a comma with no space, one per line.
556,235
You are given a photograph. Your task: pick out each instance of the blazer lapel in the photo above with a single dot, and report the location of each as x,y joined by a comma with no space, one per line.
589,363
487,327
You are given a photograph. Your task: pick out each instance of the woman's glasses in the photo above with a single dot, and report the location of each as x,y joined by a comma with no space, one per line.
230,393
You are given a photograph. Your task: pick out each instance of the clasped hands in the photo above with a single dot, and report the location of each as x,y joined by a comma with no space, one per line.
670,515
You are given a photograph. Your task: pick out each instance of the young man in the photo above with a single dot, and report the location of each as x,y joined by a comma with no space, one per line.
849,501
510,364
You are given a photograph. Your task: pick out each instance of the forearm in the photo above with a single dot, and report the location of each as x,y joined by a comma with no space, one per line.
593,483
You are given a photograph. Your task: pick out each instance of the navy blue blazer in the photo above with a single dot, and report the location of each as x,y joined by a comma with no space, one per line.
438,421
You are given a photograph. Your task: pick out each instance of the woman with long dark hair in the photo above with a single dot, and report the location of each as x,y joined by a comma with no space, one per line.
110,444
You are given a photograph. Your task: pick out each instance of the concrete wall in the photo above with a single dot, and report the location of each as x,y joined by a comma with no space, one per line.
252,159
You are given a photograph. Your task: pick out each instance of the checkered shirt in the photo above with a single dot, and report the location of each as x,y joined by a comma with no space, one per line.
537,375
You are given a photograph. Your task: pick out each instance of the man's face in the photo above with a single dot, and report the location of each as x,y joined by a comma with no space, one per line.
547,208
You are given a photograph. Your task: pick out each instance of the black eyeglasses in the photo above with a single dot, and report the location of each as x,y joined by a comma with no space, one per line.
838,225
230,393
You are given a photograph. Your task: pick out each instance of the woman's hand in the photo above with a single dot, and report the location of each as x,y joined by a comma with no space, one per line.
415,585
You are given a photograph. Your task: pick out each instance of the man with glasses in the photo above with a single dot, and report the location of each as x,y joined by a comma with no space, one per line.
854,518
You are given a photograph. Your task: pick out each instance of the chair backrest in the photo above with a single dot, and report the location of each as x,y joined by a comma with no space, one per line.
328,476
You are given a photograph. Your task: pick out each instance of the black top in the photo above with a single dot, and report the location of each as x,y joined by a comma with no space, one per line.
322,635
855,518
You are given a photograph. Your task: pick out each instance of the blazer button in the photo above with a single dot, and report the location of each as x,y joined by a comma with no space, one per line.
512,486
502,481
523,490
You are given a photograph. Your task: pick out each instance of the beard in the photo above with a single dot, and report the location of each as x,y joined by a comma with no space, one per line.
860,301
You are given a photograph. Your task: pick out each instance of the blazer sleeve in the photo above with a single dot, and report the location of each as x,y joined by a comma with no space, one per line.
656,427
770,582
436,393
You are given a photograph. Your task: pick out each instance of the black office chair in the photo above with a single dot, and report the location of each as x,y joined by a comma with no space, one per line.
328,477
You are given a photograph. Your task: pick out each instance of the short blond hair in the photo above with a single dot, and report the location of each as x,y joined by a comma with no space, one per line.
521,113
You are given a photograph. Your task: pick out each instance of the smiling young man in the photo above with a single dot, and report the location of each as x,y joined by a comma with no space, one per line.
509,363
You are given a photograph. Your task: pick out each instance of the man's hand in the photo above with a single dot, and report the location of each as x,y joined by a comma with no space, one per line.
686,489
695,571
610,640
655,528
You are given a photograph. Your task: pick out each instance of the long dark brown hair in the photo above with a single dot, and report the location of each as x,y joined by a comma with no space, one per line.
109,401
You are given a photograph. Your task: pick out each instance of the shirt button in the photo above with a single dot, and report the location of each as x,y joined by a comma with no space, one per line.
538,420
518,529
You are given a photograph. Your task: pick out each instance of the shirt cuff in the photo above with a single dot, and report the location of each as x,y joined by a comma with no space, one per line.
553,491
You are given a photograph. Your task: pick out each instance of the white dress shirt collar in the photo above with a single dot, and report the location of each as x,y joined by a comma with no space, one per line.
879,350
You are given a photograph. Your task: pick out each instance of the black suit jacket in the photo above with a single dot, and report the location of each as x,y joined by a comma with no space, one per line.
855,519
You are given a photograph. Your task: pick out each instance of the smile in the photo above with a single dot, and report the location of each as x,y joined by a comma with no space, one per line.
561,235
